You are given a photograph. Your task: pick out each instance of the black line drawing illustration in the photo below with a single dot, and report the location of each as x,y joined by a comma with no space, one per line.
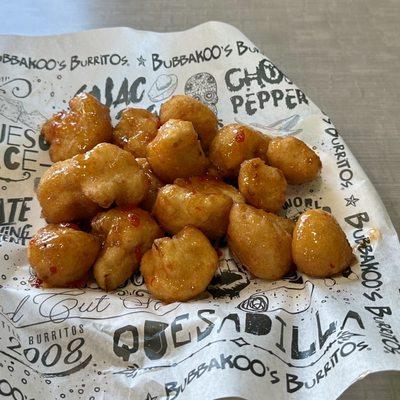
342,336
141,300
229,280
71,371
141,61
26,175
350,274
347,273
203,87
282,127
133,370
79,317
130,372
14,110
240,342
19,87
137,279
58,307
10,108
351,201
293,300
163,87
294,277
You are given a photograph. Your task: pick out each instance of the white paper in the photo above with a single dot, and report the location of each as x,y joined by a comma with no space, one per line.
298,338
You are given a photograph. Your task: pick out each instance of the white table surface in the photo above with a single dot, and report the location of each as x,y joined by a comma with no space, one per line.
344,54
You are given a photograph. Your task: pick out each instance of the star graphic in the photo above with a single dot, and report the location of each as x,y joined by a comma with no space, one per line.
240,342
351,201
141,61
150,397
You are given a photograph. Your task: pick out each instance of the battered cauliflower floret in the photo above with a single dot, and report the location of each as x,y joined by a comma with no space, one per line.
213,172
62,256
261,244
176,152
112,175
74,189
285,223
261,185
234,144
126,234
294,158
187,108
210,185
181,267
320,247
135,130
60,194
178,206
79,129
154,185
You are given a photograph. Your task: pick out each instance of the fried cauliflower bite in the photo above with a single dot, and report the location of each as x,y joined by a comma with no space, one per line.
61,255
181,267
74,189
135,130
234,144
60,195
154,185
261,185
79,129
210,185
110,175
176,152
177,206
285,223
294,158
187,108
261,245
320,247
126,234
213,172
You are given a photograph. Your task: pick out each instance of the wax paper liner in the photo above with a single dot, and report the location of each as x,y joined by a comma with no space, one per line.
297,338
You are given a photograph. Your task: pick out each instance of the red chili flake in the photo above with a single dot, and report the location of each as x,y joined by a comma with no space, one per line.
240,137
32,241
35,281
53,269
219,252
203,178
138,253
134,218
70,225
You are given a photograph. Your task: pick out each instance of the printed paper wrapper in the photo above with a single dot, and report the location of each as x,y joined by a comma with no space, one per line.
297,338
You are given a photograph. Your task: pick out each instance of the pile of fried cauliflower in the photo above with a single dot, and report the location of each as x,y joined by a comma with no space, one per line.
114,194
